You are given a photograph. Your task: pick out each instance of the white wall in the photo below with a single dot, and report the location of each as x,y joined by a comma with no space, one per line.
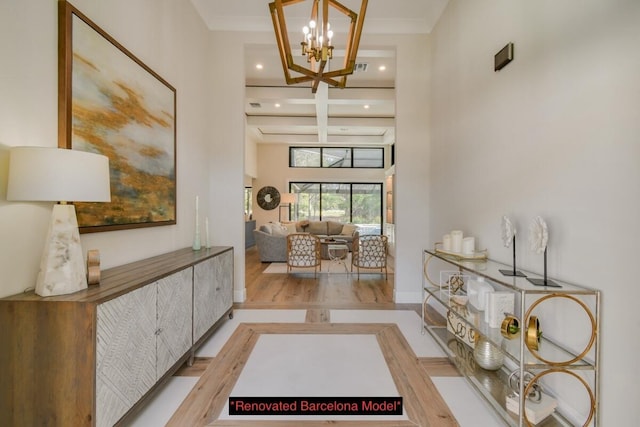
227,157
171,39
412,165
250,156
555,134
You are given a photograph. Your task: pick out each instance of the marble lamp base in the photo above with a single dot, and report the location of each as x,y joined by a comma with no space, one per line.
62,266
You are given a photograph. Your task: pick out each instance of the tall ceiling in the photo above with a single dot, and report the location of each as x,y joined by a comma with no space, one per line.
363,113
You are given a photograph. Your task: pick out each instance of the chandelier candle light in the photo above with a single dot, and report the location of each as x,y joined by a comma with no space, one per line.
314,45
317,43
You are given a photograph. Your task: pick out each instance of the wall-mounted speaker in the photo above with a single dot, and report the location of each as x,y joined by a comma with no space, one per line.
503,57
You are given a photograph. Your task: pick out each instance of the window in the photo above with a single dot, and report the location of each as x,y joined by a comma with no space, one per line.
336,157
335,200
308,206
357,203
302,157
248,205
368,158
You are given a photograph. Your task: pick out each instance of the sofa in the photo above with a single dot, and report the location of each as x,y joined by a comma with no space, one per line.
272,242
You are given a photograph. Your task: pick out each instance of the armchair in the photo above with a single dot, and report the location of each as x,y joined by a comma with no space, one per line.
369,252
271,248
303,250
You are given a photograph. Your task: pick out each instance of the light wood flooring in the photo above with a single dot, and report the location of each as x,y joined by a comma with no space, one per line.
411,374
300,291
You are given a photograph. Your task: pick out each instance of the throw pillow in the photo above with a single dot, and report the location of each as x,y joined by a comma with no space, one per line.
291,228
348,229
317,227
266,228
278,229
334,227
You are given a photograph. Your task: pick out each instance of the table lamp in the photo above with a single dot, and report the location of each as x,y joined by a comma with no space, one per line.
46,174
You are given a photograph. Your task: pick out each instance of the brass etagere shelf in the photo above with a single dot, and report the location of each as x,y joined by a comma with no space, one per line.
524,360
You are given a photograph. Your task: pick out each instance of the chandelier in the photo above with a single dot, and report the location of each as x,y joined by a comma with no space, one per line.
317,39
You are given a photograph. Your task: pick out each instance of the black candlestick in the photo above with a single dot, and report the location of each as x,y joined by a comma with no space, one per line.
513,272
544,282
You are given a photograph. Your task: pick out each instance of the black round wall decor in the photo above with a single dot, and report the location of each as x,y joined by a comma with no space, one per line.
268,198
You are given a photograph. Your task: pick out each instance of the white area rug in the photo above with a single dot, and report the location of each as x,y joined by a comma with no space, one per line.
315,365
327,266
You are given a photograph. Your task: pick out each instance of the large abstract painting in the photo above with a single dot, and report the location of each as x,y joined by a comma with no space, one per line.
113,104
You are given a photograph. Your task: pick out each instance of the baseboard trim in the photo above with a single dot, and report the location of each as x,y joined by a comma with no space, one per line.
239,295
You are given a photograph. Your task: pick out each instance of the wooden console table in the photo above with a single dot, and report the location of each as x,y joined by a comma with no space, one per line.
89,358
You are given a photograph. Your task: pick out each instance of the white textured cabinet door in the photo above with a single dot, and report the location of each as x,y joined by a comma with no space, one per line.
174,319
125,353
212,291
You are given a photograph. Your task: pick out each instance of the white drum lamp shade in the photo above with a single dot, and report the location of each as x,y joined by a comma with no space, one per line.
45,174
286,201
288,198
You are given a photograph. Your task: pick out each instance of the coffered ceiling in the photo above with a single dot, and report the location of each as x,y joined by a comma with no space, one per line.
363,113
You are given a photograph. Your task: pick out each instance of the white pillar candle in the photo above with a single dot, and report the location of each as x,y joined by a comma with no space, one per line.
456,241
196,236
197,211
446,242
207,244
468,245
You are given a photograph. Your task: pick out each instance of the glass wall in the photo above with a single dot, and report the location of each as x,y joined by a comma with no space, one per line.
357,203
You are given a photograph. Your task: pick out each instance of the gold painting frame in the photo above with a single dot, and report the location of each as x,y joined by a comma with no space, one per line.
110,102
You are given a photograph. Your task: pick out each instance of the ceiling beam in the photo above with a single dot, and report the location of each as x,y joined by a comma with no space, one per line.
383,122
322,111
281,121
304,95
331,140
294,121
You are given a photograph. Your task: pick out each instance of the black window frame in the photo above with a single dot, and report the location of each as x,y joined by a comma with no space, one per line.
323,166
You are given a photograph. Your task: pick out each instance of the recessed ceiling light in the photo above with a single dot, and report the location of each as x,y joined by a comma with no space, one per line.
277,105
382,67
259,66
366,107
